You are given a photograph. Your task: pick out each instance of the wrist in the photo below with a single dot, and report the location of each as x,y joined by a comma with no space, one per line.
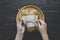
44,35
20,32
43,31
19,36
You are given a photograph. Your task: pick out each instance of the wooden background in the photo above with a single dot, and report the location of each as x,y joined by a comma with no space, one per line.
9,9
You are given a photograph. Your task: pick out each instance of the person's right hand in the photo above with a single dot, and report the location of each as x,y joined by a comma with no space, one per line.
42,26
20,27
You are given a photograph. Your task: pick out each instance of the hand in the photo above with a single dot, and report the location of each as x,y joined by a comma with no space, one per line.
42,26
20,27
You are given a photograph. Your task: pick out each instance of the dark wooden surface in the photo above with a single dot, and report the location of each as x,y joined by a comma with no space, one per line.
9,9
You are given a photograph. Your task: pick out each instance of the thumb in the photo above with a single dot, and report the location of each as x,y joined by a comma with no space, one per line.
39,24
23,29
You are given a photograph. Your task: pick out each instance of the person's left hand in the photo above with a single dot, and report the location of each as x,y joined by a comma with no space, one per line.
20,27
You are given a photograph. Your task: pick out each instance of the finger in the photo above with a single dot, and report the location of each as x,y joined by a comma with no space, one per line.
39,23
42,22
22,23
19,22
